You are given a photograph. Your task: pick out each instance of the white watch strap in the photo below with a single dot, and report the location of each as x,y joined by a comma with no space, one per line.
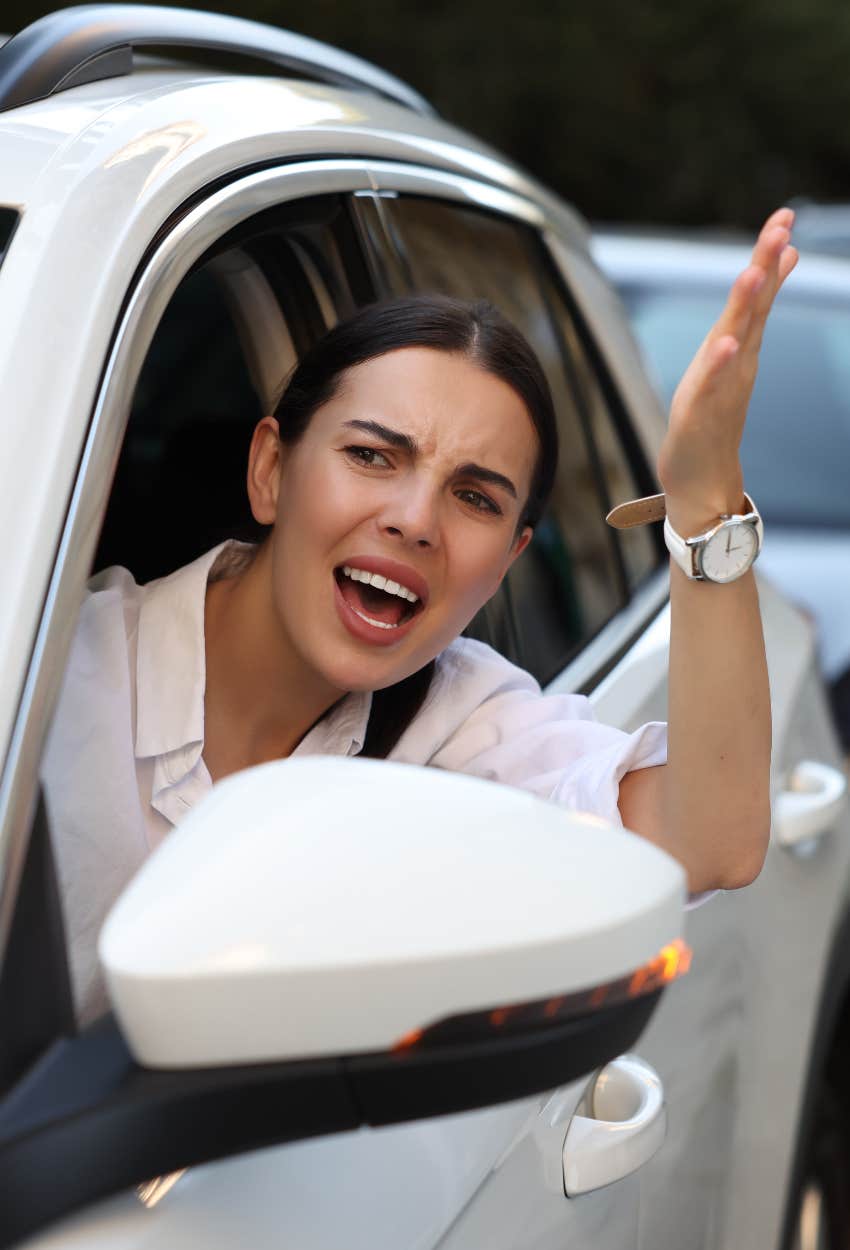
679,550
685,554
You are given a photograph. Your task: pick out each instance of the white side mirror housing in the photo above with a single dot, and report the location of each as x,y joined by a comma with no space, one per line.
327,906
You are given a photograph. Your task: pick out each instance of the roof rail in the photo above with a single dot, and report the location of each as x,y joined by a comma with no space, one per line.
90,42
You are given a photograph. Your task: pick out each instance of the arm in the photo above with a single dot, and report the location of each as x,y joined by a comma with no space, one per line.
709,805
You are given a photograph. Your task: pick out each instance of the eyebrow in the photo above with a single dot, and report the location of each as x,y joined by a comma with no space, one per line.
394,437
409,445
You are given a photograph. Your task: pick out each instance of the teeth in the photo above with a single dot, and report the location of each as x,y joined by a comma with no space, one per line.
380,583
372,621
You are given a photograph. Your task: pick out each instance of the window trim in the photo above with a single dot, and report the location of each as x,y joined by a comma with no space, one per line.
174,251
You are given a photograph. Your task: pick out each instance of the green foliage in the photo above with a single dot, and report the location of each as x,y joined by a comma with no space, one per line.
705,112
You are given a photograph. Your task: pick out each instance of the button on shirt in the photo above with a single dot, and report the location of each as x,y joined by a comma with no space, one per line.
124,760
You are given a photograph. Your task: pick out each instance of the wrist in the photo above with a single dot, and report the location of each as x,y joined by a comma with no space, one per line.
695,515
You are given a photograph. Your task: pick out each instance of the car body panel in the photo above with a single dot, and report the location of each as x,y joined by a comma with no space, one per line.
721,1037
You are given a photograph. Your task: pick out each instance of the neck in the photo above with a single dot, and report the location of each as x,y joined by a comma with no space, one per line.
260,699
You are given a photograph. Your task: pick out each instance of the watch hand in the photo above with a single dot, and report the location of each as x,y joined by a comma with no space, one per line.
728,541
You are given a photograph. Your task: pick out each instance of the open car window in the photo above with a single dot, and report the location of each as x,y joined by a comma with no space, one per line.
231,335
576,574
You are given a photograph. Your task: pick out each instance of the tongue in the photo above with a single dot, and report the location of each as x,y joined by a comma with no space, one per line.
372,602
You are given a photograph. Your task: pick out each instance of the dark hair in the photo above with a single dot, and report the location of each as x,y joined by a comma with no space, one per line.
476,330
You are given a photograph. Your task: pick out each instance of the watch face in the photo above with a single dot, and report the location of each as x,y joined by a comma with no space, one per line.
729,553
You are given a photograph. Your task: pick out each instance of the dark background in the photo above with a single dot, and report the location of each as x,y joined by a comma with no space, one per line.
688,112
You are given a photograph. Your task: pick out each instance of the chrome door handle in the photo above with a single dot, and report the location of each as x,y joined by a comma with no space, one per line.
618,1126
810,805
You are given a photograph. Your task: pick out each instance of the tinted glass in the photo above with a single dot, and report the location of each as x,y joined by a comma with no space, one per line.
569,582
796,447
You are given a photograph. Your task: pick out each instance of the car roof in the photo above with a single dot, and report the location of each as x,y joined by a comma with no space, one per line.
671,260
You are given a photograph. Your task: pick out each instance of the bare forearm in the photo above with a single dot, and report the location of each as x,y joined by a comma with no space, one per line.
716,785
710,804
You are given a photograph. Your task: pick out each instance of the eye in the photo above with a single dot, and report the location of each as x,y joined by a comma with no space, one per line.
367,456
478,501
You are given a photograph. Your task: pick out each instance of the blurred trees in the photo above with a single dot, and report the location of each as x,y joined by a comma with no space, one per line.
703,112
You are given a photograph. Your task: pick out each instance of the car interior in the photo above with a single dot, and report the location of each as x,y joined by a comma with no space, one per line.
245,313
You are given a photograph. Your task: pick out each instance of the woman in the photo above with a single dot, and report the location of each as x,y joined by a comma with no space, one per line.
401,475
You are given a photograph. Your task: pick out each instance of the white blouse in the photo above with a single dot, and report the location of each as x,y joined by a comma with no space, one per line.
124,759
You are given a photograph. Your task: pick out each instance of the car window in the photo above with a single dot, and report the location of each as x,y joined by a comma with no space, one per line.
233,331
626,474
796,444
572,579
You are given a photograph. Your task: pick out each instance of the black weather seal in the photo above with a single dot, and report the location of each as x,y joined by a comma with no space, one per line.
96,41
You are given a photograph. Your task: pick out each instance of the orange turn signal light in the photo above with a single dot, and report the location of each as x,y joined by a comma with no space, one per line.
671,962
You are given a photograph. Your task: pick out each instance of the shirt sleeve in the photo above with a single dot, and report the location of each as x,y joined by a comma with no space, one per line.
488,718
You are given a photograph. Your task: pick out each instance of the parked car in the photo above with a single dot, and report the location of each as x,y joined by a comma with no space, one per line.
173,237
822,227
796,448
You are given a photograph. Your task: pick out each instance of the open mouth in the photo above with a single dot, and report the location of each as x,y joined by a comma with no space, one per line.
379,601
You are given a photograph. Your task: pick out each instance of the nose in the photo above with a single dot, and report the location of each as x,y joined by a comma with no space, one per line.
412,513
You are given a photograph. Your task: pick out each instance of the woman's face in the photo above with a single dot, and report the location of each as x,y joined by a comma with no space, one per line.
416,473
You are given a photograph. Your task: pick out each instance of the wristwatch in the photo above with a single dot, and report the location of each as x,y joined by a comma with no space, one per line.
722,553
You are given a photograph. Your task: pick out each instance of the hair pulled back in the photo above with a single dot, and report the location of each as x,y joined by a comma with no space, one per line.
476,330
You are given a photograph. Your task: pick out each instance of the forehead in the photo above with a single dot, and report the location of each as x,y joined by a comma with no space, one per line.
454,409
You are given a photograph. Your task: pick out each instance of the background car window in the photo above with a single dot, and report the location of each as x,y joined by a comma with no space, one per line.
796,444
573,577
233,331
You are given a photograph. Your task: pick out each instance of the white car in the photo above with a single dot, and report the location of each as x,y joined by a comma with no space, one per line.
796,447
400,1043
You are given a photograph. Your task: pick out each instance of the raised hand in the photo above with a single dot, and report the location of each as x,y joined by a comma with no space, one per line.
699,466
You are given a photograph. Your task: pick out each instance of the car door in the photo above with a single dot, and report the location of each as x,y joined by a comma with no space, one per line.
210,327
735,1040
720,1178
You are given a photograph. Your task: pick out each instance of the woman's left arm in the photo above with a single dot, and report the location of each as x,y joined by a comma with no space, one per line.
709,806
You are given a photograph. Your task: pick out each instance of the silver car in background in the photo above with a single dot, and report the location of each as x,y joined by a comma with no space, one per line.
796,449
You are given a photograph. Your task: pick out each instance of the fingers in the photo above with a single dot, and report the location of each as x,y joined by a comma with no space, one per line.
787,262
774,258
767,255
740,327
738,313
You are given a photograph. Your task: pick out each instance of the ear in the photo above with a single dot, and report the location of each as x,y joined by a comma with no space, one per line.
264,459
518,546
521,541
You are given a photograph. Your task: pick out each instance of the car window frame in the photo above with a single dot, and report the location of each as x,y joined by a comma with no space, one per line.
179,244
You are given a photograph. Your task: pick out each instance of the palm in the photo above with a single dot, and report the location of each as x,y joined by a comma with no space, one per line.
699,459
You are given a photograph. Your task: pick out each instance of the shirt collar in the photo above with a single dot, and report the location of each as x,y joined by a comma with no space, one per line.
342,731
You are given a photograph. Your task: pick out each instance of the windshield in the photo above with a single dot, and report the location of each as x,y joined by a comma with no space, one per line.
796,448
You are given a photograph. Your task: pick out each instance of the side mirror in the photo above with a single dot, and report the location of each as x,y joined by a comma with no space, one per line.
326,907
325,943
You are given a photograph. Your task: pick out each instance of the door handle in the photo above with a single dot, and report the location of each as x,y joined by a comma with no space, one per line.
618,1126
811,803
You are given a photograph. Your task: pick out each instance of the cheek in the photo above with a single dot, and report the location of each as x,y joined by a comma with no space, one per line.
318,503
476,572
